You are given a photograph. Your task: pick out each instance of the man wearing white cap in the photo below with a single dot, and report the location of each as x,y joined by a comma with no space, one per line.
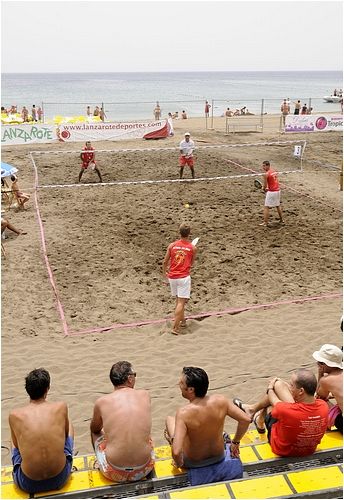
330,382
186,148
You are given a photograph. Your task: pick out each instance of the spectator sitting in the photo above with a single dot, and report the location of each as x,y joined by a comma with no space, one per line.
175,115
295,420
5,224
184,115
22,197
228,113
330,382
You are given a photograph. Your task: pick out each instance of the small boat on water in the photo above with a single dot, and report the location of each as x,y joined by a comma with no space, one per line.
332,98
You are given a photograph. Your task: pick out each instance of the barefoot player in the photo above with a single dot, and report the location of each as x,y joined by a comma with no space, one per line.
88,160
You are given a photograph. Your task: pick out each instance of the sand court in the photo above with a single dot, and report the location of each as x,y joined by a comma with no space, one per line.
105,245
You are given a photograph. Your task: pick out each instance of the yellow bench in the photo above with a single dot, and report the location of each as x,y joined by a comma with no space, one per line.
255,453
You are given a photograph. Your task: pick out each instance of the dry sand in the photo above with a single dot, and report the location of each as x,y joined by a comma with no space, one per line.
105,245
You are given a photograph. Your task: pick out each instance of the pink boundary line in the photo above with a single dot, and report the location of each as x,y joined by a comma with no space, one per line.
234,310
45,256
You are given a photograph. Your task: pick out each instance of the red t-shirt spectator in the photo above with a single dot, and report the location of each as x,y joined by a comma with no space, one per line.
181,252
271,177
299,429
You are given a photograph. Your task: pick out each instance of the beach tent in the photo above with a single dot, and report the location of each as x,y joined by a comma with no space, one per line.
7,170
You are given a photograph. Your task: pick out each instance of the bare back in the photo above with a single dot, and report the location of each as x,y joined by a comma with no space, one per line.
204,421
333,383
126,417
40,431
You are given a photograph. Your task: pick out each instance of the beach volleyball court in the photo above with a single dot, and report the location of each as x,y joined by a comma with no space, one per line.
105,242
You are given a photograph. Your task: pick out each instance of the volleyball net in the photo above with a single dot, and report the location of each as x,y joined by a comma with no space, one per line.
213,162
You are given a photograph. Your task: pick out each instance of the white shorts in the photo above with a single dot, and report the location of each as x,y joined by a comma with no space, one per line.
180,287
273,199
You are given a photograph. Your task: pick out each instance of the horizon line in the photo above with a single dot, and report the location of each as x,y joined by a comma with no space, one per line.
173,71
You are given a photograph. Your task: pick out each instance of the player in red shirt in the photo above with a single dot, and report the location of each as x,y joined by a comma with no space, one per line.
88,160
296,421
273,193
180,256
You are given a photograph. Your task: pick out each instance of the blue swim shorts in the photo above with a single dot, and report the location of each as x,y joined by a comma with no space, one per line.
53,483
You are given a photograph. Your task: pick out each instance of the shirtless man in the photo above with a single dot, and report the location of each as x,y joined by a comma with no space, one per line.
330,382
121,428
196,432
21,197
42,437
88,160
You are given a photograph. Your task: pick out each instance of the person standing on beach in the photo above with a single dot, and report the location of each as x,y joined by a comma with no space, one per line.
39,113
121,428
102,114
179,258
285,109
25,114
34,113
273,193
96,111
88,111
42,436
207,109
186,148
297,107
157,111
196,432
88,160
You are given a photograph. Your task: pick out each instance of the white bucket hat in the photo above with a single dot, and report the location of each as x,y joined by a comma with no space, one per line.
331,355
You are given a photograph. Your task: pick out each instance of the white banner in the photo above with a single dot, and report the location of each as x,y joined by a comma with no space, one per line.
27,134
313,123
112,131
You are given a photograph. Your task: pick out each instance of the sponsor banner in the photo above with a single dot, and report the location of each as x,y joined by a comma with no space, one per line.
112,131
27,134
313,123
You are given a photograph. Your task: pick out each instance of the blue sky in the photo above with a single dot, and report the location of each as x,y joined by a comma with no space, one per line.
45,36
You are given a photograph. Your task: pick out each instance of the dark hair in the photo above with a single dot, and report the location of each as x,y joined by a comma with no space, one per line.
305,379
196,378
120,372
13,178
266,162
184,230
37,382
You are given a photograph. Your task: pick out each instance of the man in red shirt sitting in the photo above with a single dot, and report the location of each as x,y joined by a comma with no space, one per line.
88,160
177,264
295,420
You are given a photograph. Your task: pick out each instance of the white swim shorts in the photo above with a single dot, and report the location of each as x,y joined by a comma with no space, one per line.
273,199
181,287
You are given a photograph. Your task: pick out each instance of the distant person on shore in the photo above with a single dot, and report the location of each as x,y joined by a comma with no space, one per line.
121,428
157,111
39,113
196,432
186,148
273,193
178,261
25,114
21,197
309,111
297,107
170,125
304,109
88,160
42,436
228,113
34,113
175,115
294,419
88,111
102,114
96,111
330,382
184,115
207,109
285,109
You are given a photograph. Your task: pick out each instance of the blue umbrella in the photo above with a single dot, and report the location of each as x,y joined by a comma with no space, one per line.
7,170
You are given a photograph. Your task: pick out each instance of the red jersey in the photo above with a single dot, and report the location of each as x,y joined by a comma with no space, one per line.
299,429
88,156
181,254
271,177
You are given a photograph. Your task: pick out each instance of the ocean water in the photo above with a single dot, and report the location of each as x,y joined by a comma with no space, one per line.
129,96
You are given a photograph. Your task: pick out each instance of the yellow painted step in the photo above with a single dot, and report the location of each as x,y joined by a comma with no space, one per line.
314,480
263,487
216,491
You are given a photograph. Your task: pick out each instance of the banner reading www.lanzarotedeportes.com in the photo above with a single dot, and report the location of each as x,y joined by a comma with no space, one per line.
112,131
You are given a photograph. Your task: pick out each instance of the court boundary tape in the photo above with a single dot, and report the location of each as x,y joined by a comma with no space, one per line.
230,311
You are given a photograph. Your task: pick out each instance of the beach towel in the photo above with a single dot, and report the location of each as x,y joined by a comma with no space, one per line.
228,468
